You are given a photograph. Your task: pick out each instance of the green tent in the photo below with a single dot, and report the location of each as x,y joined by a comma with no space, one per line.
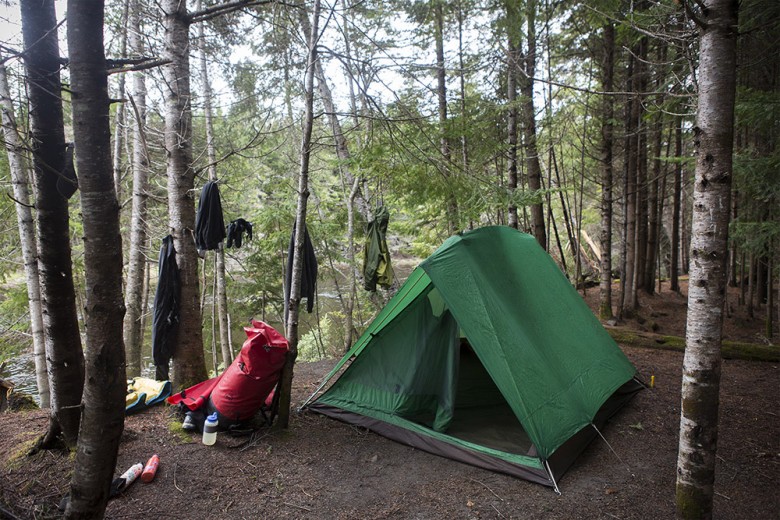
486,355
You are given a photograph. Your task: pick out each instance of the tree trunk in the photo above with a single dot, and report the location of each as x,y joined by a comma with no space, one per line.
189,364
709,255
285,385
221,292
533,168
676,204
103,413
652,207
24,218
608,104
630,194
60,322
342,148
120,120
138,229
513,63
441,92
641,174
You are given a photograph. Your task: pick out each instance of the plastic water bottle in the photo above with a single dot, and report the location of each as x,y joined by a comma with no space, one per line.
132,473
150,470
210,430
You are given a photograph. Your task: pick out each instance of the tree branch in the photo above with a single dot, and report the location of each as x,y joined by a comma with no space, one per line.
228,7
31,206
142,64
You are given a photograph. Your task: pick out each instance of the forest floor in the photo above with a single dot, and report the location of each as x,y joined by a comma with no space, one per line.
323,469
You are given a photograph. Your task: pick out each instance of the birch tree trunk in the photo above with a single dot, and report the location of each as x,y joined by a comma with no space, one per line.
285,385
105,386
709,254
60,322
607,133
134,289
24,218
189,364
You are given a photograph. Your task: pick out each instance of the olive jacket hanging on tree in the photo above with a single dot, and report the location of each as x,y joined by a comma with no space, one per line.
377,268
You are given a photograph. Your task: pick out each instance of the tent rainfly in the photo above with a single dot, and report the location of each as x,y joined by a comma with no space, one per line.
486,355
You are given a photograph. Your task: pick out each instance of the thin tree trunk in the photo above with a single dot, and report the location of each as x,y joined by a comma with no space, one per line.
134,287
285,385
189,365
350,306
607,132
628,294
653,213
676,203
513,62
221,289
24,218
641,175
533,168
103,415
120,130
441,92
342,147
709,256
462,78
60,321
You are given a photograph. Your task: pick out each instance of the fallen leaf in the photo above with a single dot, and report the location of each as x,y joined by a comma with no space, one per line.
470,504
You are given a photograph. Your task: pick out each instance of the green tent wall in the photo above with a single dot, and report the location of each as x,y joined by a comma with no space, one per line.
486,355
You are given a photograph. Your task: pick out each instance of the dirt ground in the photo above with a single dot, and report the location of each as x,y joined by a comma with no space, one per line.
323,469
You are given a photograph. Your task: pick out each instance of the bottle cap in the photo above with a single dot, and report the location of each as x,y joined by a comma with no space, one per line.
213,417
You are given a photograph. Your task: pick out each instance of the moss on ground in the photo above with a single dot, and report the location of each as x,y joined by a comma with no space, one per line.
730,349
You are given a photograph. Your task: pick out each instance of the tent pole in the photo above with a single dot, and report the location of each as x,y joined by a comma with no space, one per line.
613,451
550,473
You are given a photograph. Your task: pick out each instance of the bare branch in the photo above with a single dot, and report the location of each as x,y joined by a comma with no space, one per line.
228,7
142,64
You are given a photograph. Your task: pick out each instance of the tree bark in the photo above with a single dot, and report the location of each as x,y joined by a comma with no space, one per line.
513,62
285,384
103,413
24,219
189,364
607,133
630,195
533,168
60,322
451,200
709,254
134,286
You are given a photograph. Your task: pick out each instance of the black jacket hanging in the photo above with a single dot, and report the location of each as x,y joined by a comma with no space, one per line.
308,273
165,322
236,230
209,223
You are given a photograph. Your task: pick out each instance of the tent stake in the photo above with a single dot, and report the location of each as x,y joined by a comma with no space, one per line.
549,472
613,451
